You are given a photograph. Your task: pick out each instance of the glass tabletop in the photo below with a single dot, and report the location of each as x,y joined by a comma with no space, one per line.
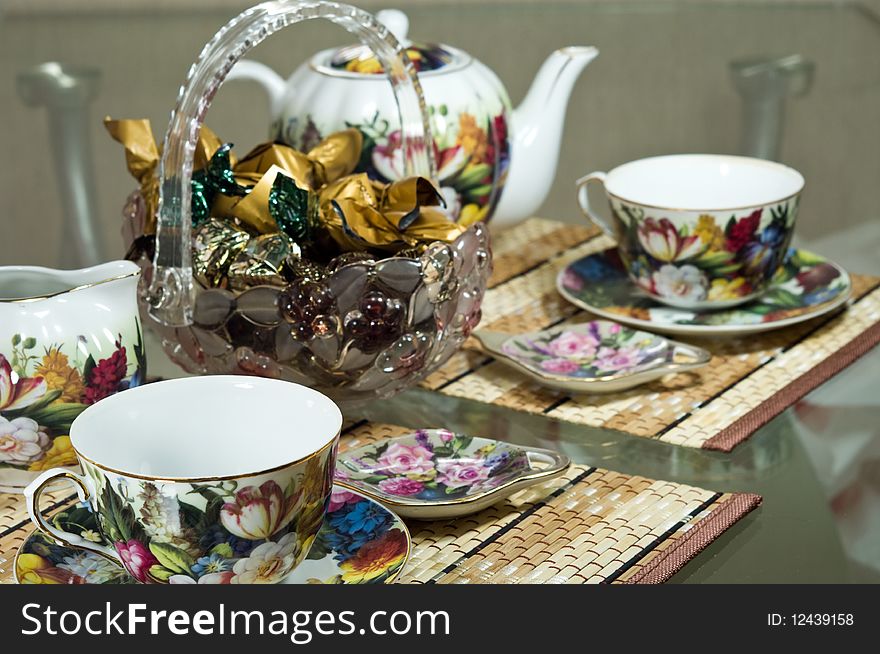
817,466
669,79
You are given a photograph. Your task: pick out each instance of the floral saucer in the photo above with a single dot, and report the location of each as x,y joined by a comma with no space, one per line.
361,542
599,356
433,474
806,286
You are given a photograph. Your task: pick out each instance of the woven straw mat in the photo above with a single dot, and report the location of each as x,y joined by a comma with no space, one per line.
748,382
590,526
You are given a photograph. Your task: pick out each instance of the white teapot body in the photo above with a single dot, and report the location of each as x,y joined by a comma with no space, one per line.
493,161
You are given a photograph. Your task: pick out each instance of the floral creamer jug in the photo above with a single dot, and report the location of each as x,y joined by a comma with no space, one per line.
493,161
68,339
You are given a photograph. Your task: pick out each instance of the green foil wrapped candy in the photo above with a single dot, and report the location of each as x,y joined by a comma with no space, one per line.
292,208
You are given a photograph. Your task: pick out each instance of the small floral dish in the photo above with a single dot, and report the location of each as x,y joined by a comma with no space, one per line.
598,356
432,474
361,542
805,287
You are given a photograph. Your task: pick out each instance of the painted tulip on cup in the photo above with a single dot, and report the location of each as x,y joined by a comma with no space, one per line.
181,500
699,231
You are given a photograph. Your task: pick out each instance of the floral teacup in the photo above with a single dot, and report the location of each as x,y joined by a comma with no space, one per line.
699,231
212,484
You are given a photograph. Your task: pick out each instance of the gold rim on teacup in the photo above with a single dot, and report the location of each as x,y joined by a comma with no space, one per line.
187,480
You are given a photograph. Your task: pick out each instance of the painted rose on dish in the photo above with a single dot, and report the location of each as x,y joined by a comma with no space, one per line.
604,348
400,459
456,465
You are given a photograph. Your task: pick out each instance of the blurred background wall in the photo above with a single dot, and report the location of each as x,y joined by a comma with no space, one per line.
660,85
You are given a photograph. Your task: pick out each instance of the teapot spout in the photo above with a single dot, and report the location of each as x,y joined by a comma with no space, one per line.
536,130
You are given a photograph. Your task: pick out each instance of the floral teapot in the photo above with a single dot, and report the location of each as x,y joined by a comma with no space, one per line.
493,162
68,339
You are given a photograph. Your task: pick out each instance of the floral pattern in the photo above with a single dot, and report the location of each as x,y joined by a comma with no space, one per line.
257,513
697,260
430,465
472,150
247,531
805,285
43,561
269,562
42,390
597,348
360,542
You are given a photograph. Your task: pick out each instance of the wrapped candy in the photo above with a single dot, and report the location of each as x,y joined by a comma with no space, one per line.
333,158
142,158
263,261
308,270
216,244
362,214
253,218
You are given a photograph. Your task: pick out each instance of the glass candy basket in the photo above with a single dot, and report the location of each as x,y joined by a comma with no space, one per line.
425,307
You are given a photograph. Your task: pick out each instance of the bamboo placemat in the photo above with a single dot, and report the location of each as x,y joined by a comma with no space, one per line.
590,526
748,382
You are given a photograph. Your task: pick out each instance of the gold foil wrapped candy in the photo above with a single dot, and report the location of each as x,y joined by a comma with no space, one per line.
260,168
262,262
334,157
274,189
142,156
216,244
362,214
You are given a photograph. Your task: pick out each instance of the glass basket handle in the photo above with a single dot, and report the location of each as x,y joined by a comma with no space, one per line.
170,291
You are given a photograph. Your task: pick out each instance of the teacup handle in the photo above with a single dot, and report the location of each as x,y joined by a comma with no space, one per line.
32,497
584,202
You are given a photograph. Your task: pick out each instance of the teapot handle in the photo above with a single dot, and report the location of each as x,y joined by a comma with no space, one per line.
170,293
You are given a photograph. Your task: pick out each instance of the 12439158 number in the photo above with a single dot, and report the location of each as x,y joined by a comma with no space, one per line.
811,620
822,619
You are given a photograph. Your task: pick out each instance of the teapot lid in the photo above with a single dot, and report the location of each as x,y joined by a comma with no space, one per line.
359,59
425,57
